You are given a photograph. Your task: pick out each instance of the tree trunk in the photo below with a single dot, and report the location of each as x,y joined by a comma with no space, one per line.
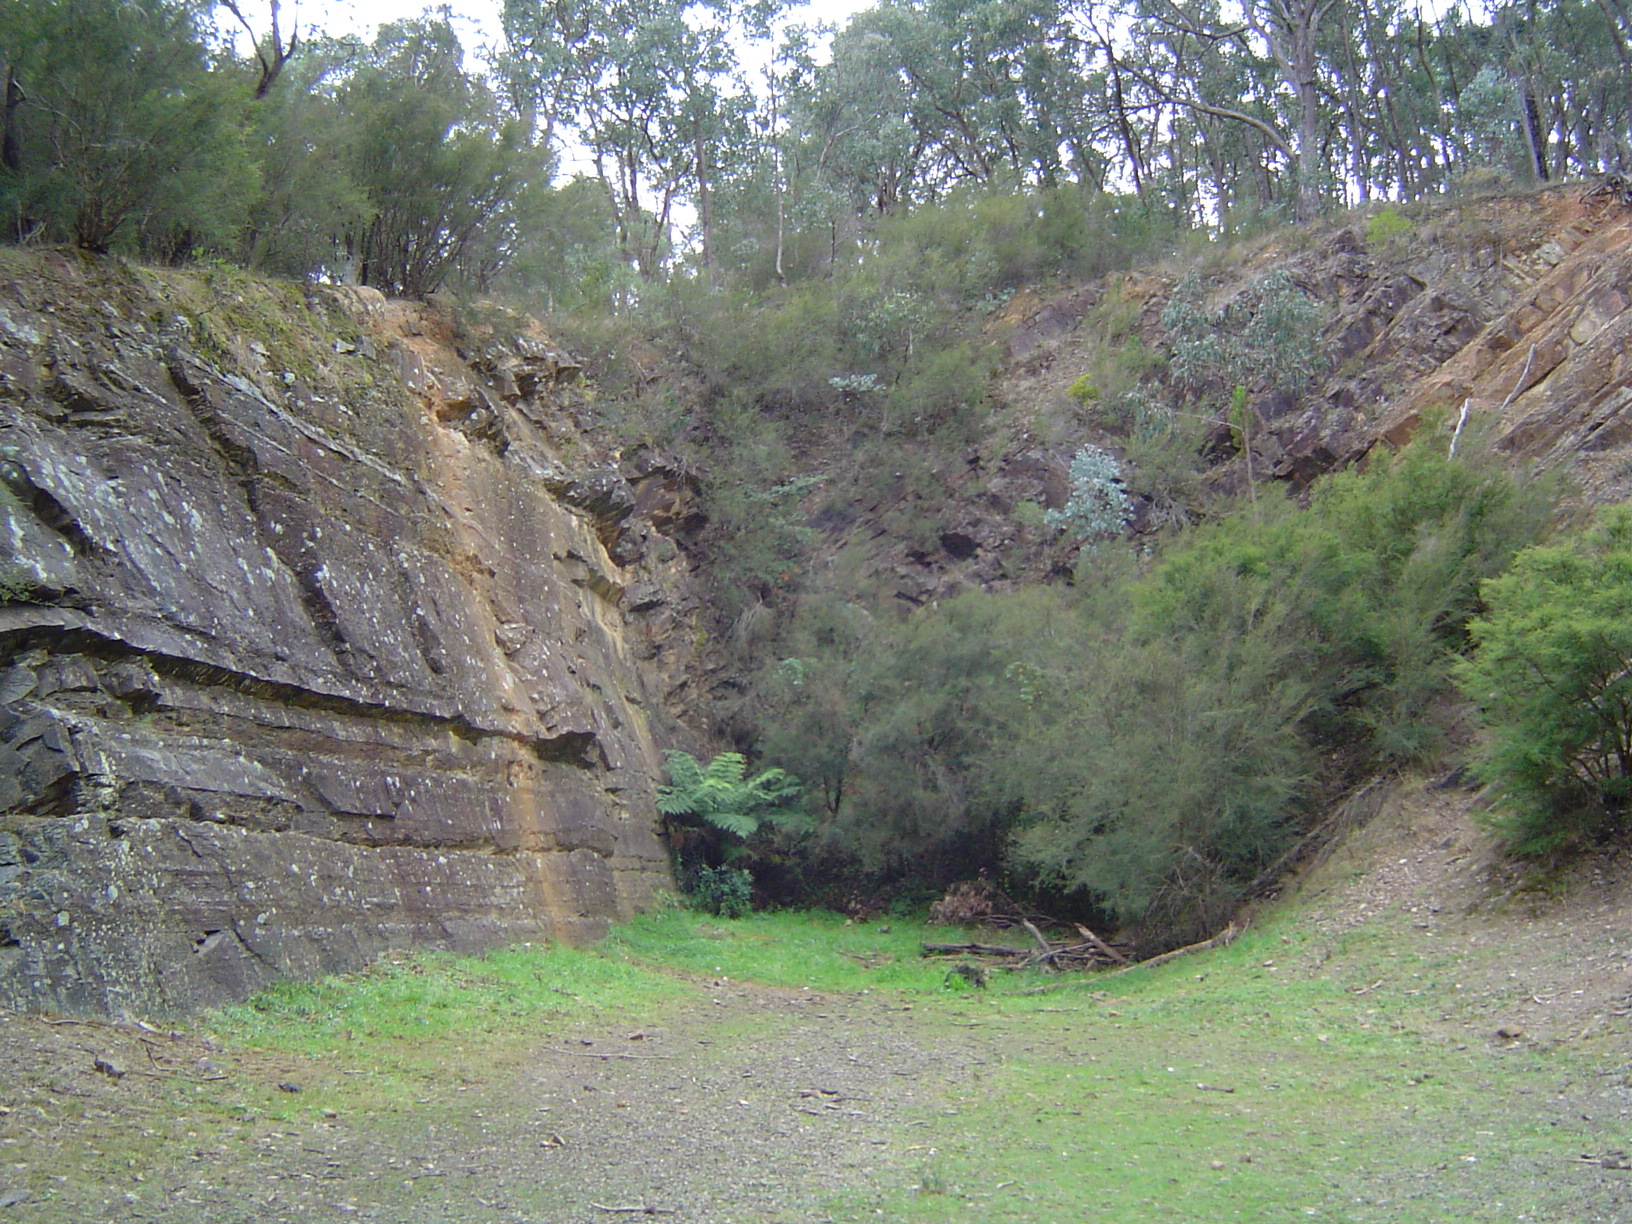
11,151
705,205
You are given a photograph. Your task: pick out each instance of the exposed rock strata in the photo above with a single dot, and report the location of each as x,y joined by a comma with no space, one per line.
314,642
1516,307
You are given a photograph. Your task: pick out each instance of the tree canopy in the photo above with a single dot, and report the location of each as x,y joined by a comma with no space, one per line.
138,126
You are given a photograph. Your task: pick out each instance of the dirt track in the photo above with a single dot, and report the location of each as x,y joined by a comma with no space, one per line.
753,1107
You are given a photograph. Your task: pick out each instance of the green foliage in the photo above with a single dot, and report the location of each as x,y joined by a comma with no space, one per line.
1085,391
432,156
1266,336
1098,504
1387,225
722,797
759,534
297,222
1551,673
802,713
727,892
118,134
1151,741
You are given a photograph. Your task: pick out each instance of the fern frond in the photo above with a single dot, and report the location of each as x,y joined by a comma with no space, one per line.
725,770
739,823
672,803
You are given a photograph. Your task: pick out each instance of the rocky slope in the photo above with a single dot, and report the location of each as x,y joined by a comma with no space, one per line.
323,630
1515,307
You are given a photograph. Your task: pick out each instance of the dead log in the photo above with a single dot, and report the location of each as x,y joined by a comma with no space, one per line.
1105,948
1223,939
1032,930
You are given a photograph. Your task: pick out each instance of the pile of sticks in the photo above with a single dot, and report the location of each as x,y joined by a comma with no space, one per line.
1089,951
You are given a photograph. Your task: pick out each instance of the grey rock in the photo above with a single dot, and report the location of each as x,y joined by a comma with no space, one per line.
305,674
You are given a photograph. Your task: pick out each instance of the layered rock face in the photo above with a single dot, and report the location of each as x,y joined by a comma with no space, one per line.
323,632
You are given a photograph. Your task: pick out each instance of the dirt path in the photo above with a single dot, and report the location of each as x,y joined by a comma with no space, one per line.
758,1105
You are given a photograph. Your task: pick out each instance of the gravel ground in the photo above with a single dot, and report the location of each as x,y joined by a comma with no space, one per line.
755,1107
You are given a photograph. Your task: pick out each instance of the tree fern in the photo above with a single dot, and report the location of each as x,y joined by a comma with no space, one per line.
722,797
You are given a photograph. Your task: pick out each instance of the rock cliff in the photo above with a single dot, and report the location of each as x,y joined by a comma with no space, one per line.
323,631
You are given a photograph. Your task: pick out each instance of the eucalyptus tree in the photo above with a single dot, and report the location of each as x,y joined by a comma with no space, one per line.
1201,43
921,95
1570,64
648,89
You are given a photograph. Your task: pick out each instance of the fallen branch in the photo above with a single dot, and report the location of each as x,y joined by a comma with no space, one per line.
1223,939
1036,934
596,1054
1100,944
970,949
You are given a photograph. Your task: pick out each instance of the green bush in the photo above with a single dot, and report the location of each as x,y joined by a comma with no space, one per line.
726,891
1266,335
1386,226
1098,504
118,133
1178,752
1551,673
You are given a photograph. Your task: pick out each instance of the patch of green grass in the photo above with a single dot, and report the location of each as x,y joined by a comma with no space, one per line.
1249,1084
413,1022
820,950
431,995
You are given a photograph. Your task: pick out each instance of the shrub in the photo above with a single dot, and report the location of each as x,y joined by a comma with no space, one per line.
1267,335
1098,504
1172,758
1386,226
1551,673
726,891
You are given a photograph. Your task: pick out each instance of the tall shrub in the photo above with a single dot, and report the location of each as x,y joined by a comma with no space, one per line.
121,133
1551,673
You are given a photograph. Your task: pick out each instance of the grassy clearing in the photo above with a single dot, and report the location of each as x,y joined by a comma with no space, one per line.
1259,1083
403,1030
819,950
1303,1073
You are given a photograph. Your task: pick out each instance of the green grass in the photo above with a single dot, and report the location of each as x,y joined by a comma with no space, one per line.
816,949
1299,1074
1247,1084
427,997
